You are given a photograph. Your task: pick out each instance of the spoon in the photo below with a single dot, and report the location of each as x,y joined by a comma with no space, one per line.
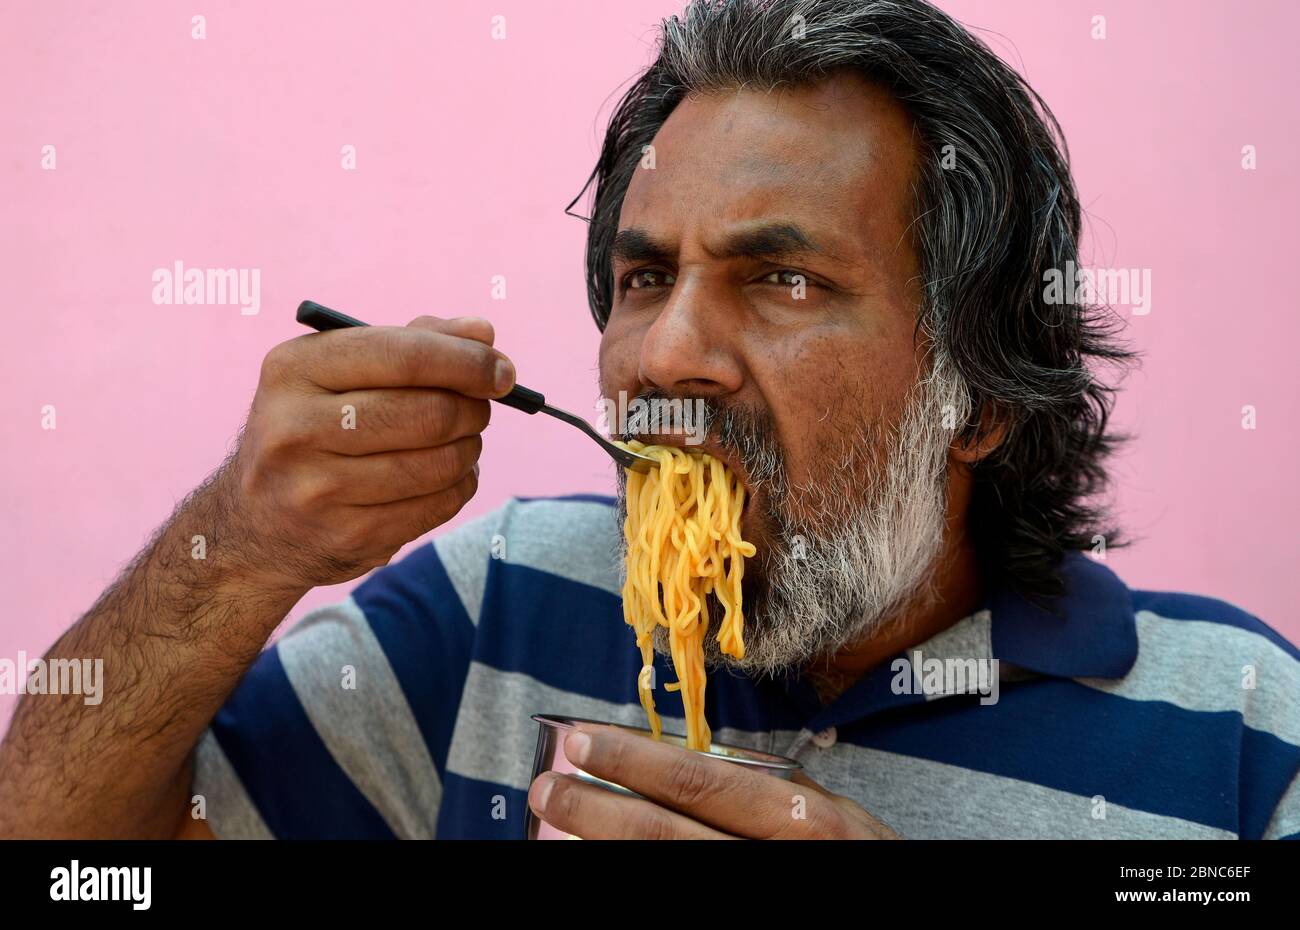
521,398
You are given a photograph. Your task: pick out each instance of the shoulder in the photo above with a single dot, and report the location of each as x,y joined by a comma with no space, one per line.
1211,620
1230,685
1205,654
571,521
574,538
559,535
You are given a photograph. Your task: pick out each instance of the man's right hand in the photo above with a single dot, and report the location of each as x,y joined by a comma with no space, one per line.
358,441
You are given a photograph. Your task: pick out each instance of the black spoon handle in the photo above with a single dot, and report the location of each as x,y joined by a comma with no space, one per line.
322,318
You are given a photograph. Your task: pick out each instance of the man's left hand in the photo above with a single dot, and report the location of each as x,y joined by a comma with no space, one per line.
686,795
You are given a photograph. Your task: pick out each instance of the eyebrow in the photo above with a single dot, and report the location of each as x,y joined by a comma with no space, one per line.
637,245
773,240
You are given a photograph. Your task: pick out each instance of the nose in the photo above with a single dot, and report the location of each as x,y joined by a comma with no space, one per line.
691,348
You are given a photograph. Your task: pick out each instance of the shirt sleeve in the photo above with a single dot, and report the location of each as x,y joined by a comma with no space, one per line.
342,728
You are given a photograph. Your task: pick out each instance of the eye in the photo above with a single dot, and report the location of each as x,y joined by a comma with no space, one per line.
648,278
787,277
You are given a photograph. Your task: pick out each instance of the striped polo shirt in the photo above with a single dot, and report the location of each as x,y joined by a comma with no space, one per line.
404,711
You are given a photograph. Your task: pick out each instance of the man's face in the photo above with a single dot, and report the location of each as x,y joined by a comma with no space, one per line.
750,194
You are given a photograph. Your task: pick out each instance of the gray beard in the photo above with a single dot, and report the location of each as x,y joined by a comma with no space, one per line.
864,550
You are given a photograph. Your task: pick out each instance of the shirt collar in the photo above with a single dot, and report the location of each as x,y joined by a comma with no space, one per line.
1090,631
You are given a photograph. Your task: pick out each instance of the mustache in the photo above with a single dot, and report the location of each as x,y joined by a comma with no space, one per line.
746,434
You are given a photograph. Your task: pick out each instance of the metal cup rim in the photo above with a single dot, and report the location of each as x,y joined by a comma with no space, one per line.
738,755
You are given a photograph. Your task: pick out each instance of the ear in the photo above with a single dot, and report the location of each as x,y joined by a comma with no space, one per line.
992,433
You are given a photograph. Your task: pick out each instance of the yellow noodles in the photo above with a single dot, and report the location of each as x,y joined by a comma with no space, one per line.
683,542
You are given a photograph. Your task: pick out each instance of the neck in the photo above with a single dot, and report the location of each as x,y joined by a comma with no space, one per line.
954,593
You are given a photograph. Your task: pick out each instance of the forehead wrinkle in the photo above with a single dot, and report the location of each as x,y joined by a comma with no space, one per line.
762,191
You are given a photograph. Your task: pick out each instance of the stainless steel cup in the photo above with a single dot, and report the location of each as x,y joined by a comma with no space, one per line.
550,757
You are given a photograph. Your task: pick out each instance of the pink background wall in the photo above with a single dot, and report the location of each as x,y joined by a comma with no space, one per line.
225,152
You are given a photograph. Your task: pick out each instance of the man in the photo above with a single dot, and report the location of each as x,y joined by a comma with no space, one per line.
830,221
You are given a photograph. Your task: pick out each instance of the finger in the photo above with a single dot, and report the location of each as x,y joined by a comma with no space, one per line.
467,327
393,356
402,521
724,795
401,475
366,422
595,813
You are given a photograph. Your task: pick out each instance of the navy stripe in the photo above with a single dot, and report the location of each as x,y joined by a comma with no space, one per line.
733,699
870,694
565,634
1268,766
300,790
572,637
1174,606
482,810
581,498
1147,755
428,638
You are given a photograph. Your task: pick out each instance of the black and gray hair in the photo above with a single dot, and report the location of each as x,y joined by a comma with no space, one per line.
992,219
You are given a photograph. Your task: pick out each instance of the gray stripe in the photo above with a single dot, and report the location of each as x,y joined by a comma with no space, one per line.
1286,817
495,738
922,799
576,540
369,729
231,812
1197,665
970,638
465,553
495,741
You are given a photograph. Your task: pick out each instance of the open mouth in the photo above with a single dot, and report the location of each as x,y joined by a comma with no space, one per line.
732,465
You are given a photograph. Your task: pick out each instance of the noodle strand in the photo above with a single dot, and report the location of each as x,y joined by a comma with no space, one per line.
683,543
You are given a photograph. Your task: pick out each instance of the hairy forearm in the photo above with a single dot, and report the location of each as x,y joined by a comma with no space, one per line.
175,632
310,497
